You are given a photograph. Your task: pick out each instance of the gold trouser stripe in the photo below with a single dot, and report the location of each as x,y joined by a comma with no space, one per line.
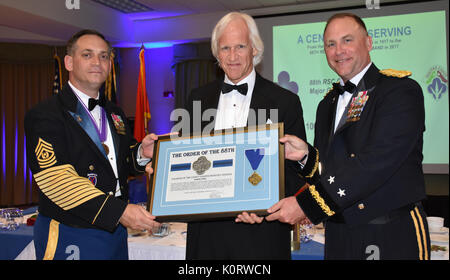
422,230
52,242
419,241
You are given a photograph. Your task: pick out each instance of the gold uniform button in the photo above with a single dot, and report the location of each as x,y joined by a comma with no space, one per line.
352,155
91,167
361,206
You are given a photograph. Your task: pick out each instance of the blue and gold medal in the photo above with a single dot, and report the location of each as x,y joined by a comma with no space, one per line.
255,157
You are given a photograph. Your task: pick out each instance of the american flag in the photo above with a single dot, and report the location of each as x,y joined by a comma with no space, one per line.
57,86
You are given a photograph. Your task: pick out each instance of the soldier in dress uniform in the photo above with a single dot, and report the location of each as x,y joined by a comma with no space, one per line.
364,172
81,150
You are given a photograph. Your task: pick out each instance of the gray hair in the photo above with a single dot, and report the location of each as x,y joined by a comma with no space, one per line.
255,39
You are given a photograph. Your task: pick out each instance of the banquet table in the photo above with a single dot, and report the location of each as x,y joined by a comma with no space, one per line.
19,245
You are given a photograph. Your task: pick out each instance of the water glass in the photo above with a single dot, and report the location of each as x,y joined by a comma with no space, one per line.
306,232
10,218
162,230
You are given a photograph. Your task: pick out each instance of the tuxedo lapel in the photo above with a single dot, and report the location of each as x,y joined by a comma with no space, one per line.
114,134
212,99
260,100
331,118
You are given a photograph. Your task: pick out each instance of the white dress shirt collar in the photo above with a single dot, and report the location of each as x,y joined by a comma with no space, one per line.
250,80
83,97
357,78
233,107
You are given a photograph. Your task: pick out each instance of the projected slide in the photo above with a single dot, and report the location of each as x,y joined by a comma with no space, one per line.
414,42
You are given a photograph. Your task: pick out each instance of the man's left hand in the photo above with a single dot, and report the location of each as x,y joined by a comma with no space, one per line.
286,210
147,145
249,218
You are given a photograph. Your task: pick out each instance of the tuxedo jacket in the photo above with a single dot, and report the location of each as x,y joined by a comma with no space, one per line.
372,164
75,178
229,239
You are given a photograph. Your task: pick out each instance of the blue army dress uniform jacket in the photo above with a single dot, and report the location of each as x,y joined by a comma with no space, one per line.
75,179
372,164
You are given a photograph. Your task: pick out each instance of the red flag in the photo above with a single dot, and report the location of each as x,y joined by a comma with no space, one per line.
142,108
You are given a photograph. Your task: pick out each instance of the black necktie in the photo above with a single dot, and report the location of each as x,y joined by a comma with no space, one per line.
94,102
348,86
226,88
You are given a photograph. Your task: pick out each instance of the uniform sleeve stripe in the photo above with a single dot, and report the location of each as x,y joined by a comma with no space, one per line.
315,194
316,164
62,185
77,196
66,168
53,178
95,218
75,204
62,195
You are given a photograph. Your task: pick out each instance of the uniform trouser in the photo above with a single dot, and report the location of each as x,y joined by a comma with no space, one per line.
55,241
404,238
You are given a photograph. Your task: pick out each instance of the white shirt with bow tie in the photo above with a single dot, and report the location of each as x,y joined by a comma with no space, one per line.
233,107
344,98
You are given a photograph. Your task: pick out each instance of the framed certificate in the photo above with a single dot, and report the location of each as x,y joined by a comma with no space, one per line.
218,175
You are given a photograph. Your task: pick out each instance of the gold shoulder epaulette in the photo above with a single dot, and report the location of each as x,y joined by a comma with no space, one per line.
330,90
396,73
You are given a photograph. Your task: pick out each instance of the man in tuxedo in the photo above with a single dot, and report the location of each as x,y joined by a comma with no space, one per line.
238,48
364,173
81,150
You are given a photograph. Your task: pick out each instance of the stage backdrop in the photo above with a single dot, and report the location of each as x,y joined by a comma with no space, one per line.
410,37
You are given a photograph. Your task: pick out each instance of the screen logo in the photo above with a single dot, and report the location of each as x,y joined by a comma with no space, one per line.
437,82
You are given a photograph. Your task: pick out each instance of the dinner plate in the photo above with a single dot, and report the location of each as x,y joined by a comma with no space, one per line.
439,237
440,231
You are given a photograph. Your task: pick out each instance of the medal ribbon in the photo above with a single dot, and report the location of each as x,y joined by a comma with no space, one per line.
255,157
102,130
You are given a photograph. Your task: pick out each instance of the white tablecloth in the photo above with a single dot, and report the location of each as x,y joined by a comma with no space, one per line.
173,246
440,239
144,247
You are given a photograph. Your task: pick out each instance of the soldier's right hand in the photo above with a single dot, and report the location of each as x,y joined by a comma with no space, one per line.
137,218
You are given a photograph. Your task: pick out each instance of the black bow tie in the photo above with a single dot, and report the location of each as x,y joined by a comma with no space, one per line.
94,102
226,88
348,86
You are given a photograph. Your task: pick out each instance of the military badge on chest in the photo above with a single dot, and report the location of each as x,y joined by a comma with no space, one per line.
93,178
356,106
118,124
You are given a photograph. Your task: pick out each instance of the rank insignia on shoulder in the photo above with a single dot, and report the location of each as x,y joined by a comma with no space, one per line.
330,90
45,154
396,73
